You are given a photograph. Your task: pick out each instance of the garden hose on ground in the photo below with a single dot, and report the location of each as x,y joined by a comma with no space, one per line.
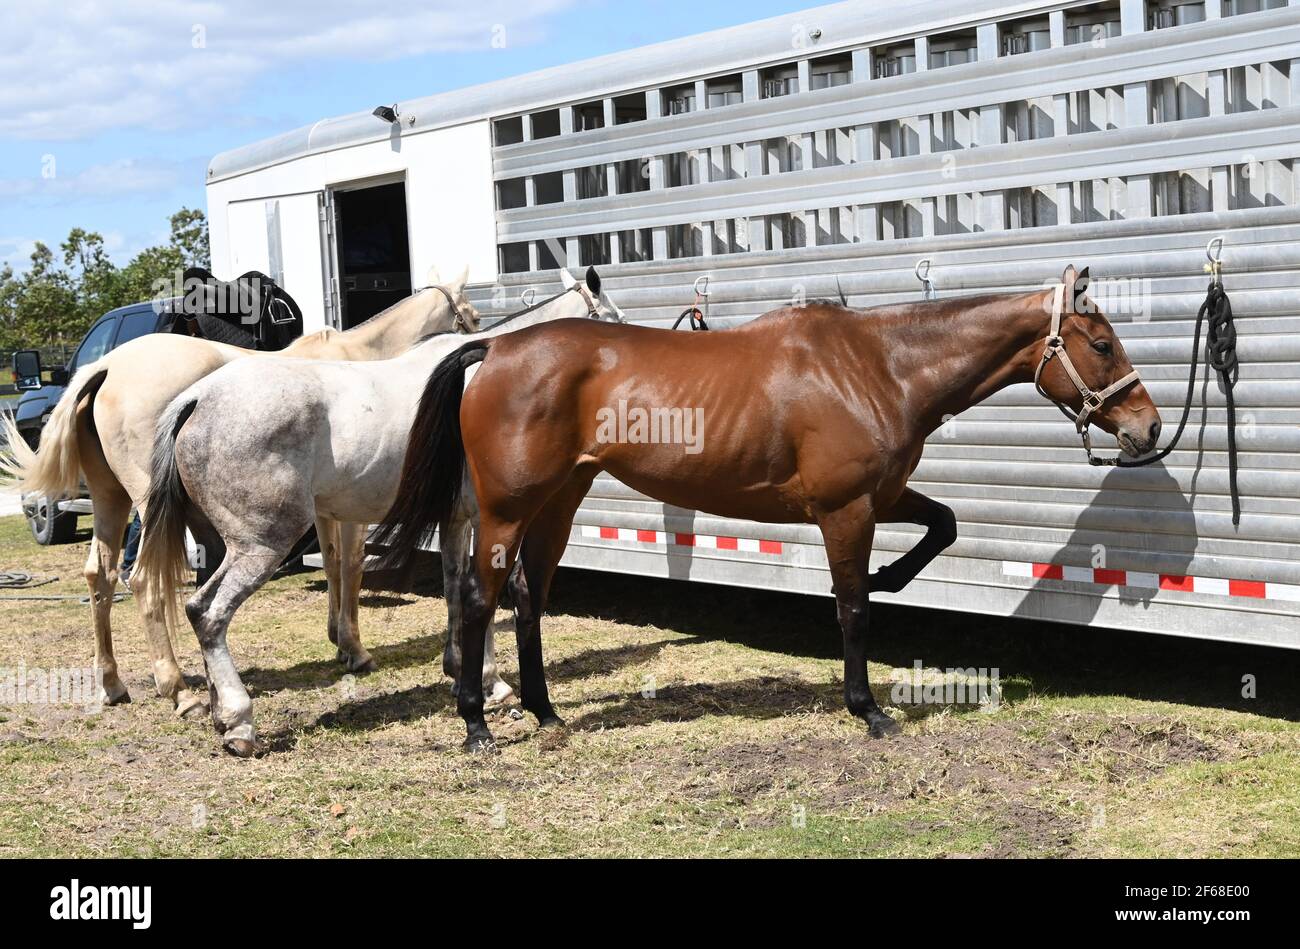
19,580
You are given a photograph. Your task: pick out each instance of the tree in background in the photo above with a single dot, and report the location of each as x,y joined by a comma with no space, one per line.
94,278
9,294
46,302
55,302
190,237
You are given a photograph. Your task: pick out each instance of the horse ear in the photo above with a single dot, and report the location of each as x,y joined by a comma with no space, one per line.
432,278
1080,289
462,278
593,281
566,278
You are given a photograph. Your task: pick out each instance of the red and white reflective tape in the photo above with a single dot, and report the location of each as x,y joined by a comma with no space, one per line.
676,539
1250,589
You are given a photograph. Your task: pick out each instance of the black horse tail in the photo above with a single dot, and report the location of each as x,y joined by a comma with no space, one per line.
435,461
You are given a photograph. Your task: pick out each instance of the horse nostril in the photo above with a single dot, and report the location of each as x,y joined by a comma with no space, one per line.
1155,431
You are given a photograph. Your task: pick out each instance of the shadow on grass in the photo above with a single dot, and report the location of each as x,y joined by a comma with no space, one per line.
760,697
368,714
315,673
427,651
1032,656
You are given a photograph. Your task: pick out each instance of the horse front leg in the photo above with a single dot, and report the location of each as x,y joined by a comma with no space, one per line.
328,536
848,534
913,507
351,571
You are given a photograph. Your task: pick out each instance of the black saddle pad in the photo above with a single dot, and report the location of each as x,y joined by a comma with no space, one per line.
252,311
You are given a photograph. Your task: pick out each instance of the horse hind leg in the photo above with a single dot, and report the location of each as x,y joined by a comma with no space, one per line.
455,540
112,511
169,681
543,546
210,610
494,556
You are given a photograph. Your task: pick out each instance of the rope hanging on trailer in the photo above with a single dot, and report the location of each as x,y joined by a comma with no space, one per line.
693,312
1221,355
696,318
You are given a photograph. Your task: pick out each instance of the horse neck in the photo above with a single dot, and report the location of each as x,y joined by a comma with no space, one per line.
424,357
565,306
951,356
401,326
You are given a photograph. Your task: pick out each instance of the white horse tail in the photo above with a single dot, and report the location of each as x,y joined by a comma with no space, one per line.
162,565
54,468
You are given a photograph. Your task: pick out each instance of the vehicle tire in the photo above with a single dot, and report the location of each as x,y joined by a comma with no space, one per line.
49,525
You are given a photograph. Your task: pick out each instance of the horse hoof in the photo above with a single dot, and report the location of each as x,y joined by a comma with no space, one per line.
550,721
356,665
481,746
882,726
110,698
498,695
240,747
190,707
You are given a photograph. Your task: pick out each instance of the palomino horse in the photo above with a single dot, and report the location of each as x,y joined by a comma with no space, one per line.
816,414
329,443
104,425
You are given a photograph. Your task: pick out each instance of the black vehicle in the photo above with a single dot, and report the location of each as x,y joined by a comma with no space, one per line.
262,316
51,521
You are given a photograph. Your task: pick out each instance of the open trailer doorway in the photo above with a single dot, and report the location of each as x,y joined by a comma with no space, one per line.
373,247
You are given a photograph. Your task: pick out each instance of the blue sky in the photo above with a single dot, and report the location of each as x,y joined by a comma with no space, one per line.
110,112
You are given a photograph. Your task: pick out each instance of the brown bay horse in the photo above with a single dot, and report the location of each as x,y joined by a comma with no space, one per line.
816,414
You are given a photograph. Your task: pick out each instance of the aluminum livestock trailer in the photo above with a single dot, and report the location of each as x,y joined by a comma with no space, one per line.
983,145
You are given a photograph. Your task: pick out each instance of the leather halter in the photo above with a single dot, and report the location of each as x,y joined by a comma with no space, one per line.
461,320
593,308
1092,400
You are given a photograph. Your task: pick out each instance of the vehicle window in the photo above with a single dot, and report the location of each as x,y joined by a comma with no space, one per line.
136,324
96,343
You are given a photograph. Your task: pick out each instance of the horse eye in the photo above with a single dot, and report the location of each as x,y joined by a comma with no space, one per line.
1102,347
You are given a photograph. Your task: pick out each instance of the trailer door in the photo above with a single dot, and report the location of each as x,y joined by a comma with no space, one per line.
289,238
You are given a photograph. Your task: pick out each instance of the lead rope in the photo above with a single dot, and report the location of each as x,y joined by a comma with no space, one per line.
694,312
1221,355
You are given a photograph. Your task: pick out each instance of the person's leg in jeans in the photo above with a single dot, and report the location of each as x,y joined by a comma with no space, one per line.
130,549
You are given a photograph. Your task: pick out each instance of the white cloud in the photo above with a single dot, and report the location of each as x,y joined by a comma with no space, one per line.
72,68
125,176
16,251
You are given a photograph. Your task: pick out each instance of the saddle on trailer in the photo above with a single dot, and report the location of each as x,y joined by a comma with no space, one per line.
252,311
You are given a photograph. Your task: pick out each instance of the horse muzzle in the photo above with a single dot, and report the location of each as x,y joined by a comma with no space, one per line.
1139,438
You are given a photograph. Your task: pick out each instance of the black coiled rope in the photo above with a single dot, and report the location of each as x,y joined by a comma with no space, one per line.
1221,355
696,318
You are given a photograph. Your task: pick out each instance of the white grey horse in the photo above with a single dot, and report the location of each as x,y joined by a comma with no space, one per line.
327,441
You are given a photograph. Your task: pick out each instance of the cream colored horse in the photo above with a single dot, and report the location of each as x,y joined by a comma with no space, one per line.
103,429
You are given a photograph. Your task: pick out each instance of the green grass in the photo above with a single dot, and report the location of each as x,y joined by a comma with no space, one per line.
1107,743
